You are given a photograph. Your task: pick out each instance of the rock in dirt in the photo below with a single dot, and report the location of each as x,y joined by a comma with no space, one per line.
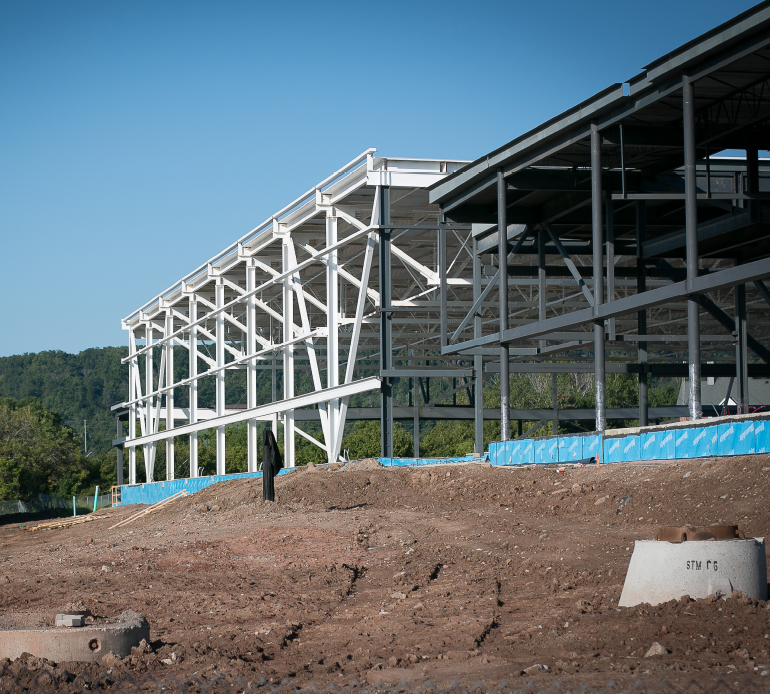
111,660
600,500
656,649
534,669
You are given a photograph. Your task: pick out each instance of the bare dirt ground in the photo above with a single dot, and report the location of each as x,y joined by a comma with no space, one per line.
461,573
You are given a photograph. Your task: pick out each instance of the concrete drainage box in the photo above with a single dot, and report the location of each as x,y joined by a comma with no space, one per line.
660,570
36,633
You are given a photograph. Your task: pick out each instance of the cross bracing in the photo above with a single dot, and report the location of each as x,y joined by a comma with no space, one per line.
301,293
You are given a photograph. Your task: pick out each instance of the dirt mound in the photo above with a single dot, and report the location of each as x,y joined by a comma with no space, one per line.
450,573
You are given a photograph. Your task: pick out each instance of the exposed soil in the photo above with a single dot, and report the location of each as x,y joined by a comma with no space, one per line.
450,573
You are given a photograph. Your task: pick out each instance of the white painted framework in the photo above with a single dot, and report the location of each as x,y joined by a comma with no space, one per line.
300,291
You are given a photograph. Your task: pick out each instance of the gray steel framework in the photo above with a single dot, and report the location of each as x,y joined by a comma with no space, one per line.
626,199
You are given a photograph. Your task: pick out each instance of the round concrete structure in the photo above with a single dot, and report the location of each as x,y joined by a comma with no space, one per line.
663,571
87,643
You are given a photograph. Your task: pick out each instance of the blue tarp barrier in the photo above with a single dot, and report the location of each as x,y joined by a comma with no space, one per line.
592,445
523,452
613,450
153,492
736,438
416,462
696,442
631,448
547,451
570,448
762,436
659,445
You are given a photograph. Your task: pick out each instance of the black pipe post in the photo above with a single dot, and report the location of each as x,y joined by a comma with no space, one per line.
386,324
641,316
741,349
505,355
598,274
691,245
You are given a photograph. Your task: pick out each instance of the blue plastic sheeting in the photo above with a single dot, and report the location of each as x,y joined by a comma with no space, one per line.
415,462
153,492
762,436
622,449
736,438
659,445
697,442
547,451
592,445
570,448
522,452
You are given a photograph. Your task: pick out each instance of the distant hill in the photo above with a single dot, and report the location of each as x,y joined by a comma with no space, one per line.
77,387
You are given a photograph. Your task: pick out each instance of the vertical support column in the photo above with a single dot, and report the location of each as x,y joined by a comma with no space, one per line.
598,262
169,347
478,361
416,399
252,441
610,226
274,395
386,323
149,448
288,356
133,378
193,371
752,180
120,454
641,316
741,350
554,404
691,244
219,295
541,278
442,277
505,353
333,340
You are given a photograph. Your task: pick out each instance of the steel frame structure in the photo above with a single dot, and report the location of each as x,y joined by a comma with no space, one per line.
622,199
305,290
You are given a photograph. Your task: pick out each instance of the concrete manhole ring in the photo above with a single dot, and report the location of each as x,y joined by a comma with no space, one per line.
36,634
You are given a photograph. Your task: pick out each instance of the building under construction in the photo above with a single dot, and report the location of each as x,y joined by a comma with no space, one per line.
636,240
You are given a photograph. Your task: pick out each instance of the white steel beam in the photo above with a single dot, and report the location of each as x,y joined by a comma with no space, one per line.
332,340
220,375
169,396
288,353
365,385
193,371
252,441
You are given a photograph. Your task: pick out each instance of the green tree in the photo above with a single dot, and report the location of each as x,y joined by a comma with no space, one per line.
37,451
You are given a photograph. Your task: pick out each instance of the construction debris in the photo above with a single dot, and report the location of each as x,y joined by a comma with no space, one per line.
149,509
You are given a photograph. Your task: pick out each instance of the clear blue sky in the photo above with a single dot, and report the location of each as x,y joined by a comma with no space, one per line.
139,138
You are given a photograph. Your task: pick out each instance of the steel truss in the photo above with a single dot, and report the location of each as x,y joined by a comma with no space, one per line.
615,230
306,291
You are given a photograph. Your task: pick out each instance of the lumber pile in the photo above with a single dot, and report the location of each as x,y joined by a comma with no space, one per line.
150,509
67,522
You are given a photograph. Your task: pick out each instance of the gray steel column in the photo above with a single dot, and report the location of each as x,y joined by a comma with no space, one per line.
416,404
598,262
554,404
610,227
741,350
752,180
505,355
442,277
641,287
478,361
691,243
120,454
386,322
541,278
